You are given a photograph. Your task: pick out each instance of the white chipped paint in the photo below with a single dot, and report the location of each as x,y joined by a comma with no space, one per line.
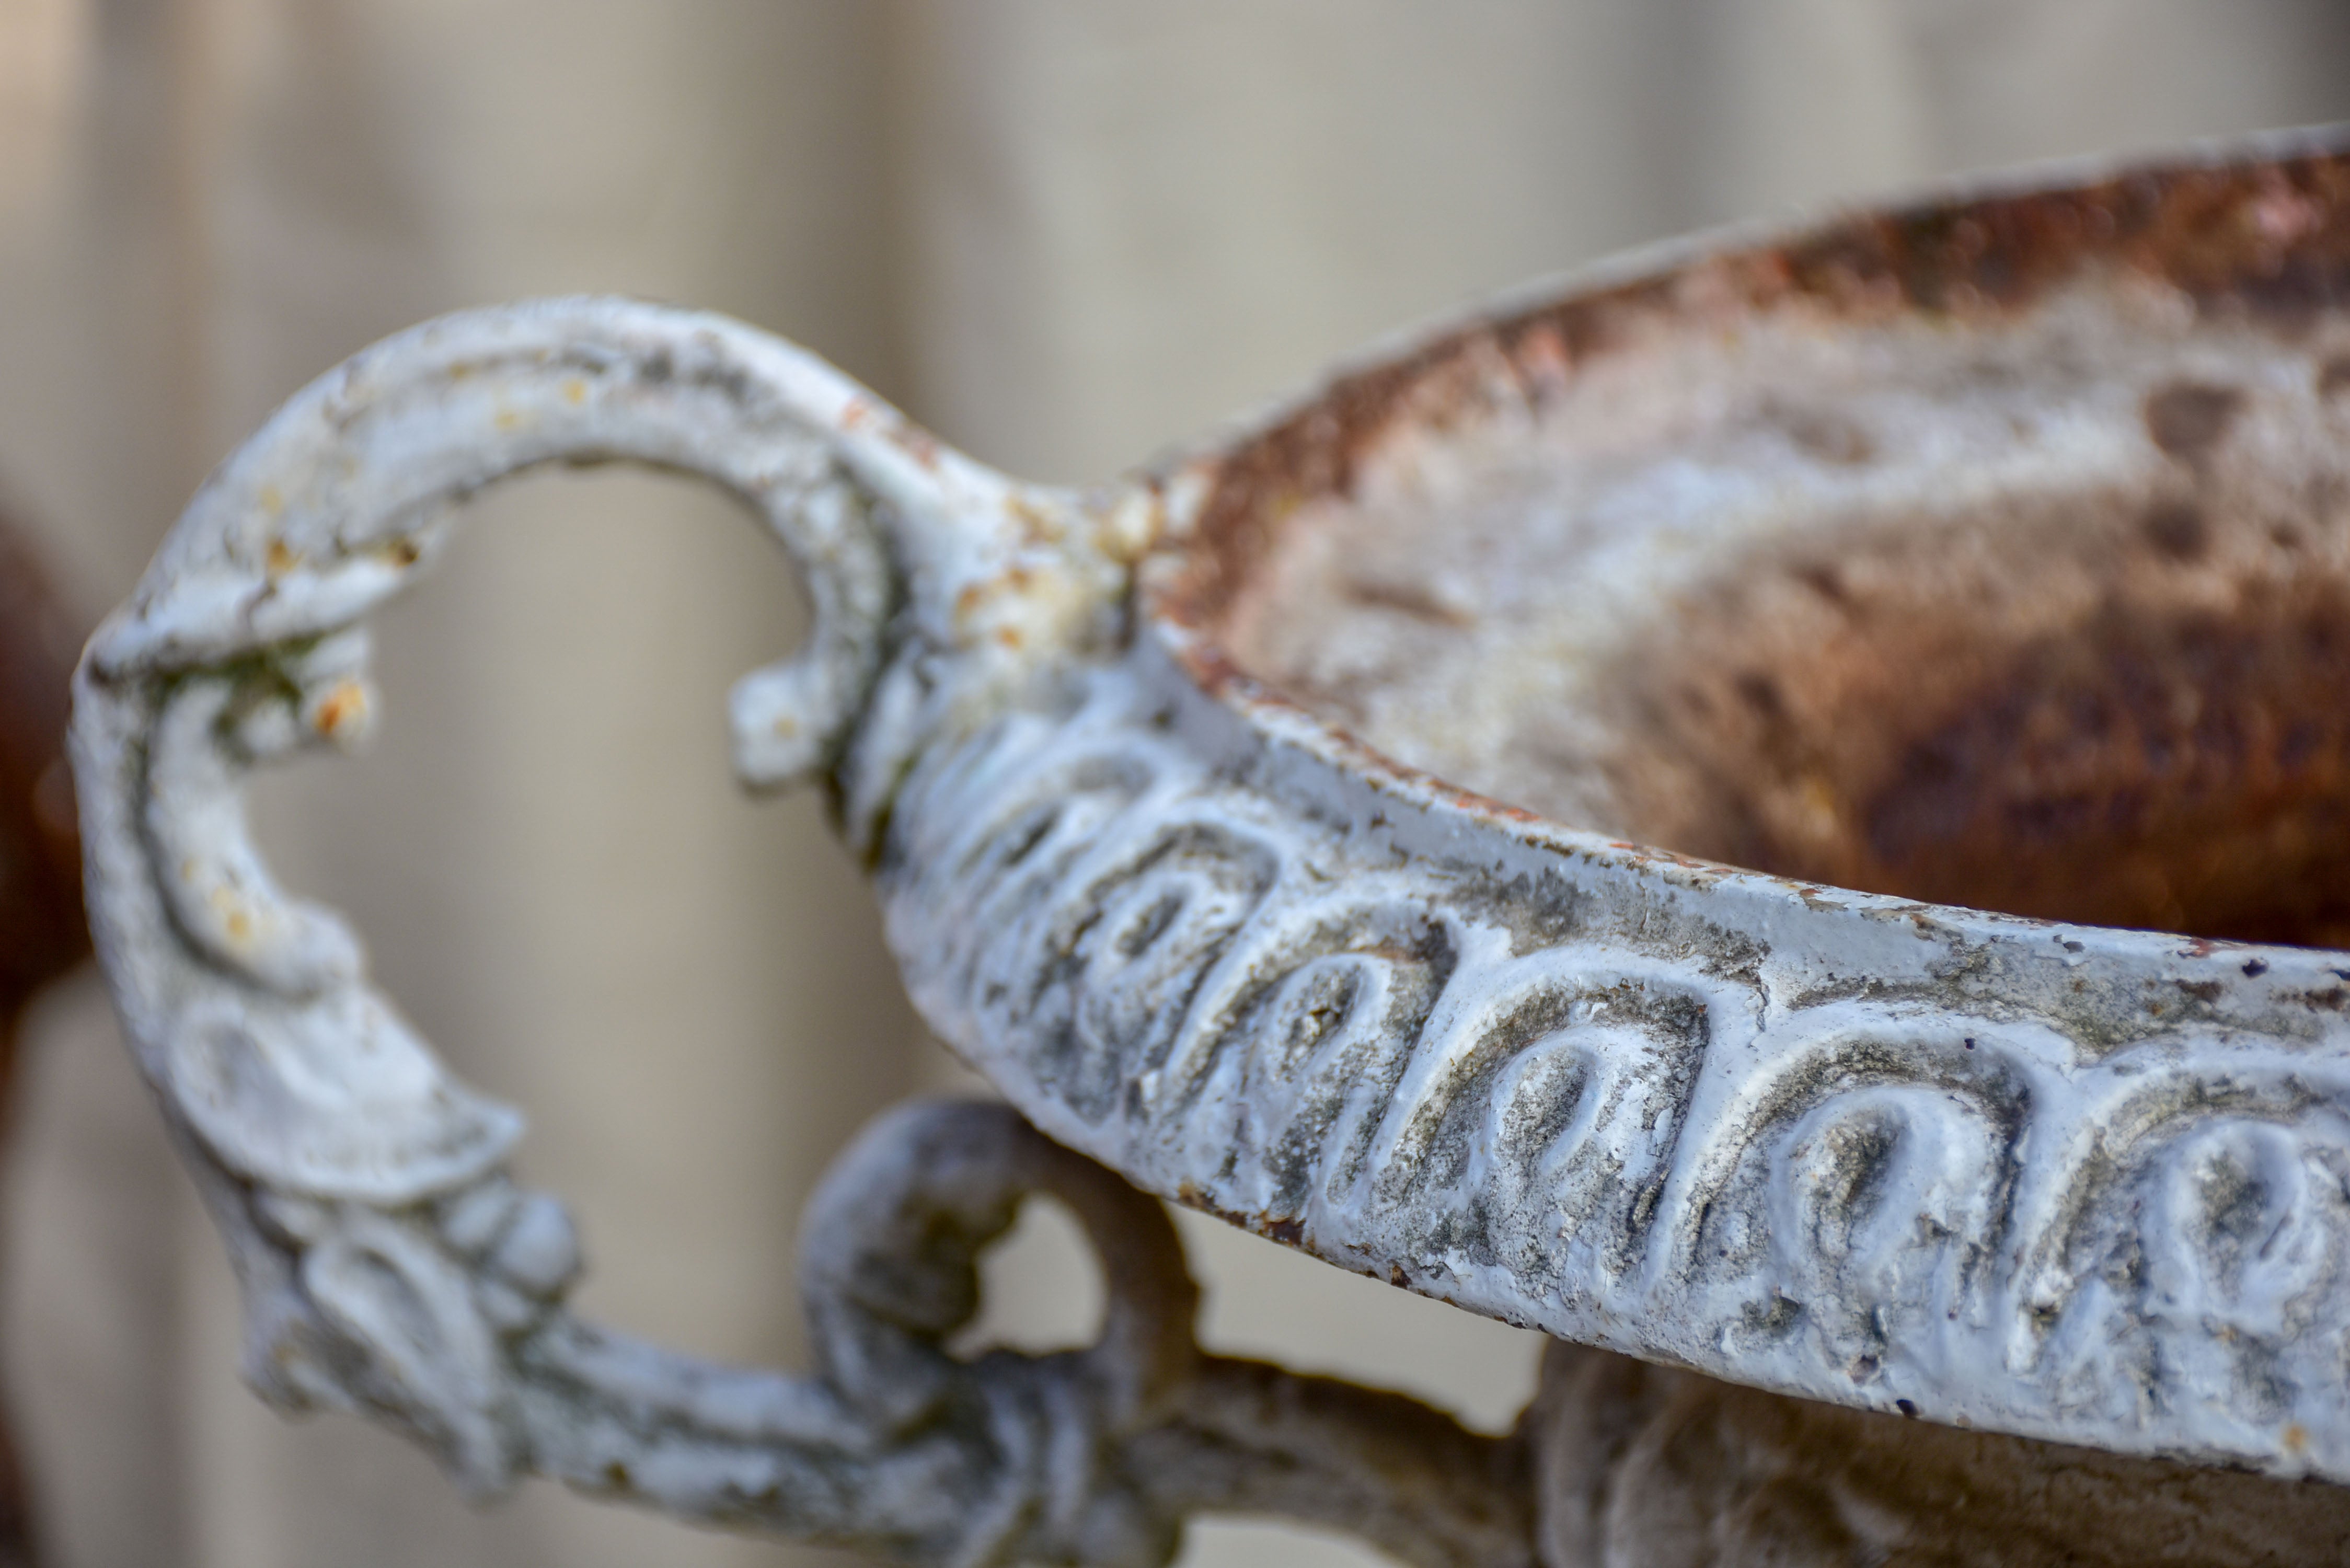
389,1266
2061,1182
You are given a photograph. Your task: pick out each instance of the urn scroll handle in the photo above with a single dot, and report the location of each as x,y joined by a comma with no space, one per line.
390,1265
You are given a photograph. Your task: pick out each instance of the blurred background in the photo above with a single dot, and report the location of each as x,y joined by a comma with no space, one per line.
1063,233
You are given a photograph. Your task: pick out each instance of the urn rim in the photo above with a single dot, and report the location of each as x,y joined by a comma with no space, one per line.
1975,249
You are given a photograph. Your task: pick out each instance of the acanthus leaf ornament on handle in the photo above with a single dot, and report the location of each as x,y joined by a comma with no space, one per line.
322,1122
390,1265
249,1009
245,644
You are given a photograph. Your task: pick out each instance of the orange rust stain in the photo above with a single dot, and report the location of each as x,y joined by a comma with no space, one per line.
1014,579
342,710
2265,238
914,442
1288,1232
575,391
1544,358
1036,527
282,558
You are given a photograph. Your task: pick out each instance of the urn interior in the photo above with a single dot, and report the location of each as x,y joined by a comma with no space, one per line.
1994,552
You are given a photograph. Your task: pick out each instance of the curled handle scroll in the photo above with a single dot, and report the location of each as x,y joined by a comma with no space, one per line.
390,1265
246,643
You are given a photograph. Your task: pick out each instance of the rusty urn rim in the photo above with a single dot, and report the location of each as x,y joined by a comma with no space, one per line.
2249,245
1341,830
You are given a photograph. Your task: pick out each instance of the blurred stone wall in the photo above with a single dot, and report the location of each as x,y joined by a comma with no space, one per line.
1064,232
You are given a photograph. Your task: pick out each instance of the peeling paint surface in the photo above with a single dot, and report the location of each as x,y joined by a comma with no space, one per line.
2059,1180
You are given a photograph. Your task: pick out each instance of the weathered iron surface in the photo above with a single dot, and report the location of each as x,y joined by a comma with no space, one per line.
1647,1467
390,1266
1994,549
2019,1176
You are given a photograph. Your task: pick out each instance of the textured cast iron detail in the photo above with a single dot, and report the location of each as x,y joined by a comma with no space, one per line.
1090,1456
1838,1145
2082,1184
390,1265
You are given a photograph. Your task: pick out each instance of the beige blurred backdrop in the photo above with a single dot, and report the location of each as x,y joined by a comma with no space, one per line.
1062,233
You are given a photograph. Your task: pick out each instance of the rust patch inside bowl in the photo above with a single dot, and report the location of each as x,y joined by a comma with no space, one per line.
1991,553
2164,744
